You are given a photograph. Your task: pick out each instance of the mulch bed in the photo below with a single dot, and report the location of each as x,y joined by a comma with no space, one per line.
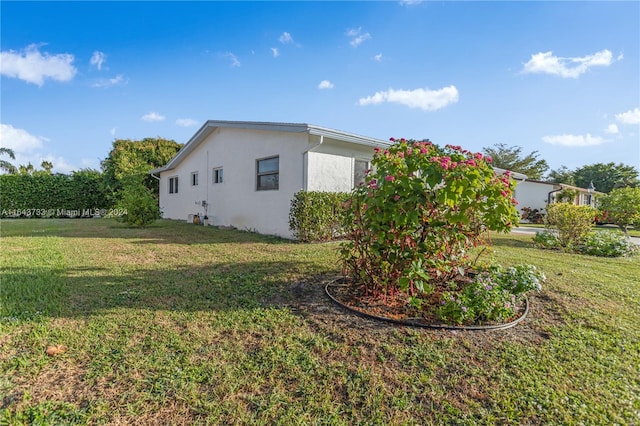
396,308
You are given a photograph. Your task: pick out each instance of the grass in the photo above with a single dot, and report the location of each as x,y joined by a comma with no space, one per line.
179,324
632,232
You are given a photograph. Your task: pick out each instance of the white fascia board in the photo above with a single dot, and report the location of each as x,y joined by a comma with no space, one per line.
347,137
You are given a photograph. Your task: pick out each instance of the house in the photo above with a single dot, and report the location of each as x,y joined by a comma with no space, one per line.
244,174
538,195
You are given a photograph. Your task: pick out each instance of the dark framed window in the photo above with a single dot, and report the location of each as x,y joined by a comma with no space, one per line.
173,185
360,168
218,175
194,179
268,173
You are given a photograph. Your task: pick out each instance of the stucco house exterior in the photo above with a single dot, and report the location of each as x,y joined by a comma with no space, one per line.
536,194
244,174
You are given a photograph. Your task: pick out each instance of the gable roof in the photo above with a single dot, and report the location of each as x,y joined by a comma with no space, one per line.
212,125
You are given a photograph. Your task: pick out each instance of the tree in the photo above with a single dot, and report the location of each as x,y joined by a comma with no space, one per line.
26,170
4,164
606,177
136,158
511,158
622,207
47,166
562,175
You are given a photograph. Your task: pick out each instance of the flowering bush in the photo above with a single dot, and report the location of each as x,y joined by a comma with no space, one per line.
546,240
607,244
532,215
411,224
493,295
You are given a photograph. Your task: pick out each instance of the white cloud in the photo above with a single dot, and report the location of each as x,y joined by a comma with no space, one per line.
286,38
325,84
234,59
378,57
108,82
27,146
113,131
547,63
629,117
574,140
186,122
97,59
153,116
19,140
425,99
409,2
275,52
34,67
357,36
612,129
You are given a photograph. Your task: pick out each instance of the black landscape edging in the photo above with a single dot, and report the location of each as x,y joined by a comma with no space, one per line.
425,325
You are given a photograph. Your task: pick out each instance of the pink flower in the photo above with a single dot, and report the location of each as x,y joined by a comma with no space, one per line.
454,164
478,156
392,139
389,178
401,154
396,197
504,193
471,163
423,150
376,150
488,159
409,151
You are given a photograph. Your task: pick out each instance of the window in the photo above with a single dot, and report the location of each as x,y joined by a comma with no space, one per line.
267,173
173,185
194,179
359,172
218,175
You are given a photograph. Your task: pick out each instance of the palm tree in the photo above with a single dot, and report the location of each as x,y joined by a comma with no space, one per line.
5,165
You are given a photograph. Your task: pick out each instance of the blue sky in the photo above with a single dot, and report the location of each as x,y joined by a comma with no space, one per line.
561,78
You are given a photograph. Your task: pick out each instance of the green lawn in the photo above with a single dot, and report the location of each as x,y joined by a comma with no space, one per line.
180,324
632,232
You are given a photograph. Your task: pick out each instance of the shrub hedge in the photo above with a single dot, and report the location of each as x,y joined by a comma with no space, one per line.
49,195
316,215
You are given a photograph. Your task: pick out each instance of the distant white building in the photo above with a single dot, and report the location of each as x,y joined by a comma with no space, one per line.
536,194
245,174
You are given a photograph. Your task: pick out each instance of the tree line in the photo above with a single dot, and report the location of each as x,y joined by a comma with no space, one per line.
604,176
122,184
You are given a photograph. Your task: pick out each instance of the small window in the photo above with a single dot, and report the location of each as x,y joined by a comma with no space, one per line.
173,185
360,172
194,179
268,173
218,175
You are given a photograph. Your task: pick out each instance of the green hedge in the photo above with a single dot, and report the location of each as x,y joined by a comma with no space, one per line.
52,195
316,216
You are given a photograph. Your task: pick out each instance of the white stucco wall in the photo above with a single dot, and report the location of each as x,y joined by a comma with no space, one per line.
304,163
533,194
330,166
236,202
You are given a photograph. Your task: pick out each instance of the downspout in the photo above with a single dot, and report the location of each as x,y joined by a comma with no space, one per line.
553,192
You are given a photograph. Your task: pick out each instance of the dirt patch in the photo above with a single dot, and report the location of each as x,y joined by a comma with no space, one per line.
309,300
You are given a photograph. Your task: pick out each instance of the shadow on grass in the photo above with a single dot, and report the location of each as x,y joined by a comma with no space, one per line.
520,241
160,232
73,292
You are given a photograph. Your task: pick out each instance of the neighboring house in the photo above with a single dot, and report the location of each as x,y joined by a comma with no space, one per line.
245,174
538,195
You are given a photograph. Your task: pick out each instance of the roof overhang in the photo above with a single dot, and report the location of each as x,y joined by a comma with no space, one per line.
212,125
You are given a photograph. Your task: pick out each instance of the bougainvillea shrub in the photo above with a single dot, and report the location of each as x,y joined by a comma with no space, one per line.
422,208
